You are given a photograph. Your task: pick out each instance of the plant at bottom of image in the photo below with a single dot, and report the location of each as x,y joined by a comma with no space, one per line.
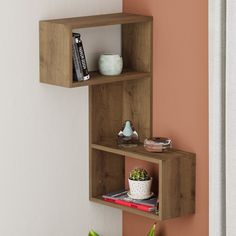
150,233
92,233
152,230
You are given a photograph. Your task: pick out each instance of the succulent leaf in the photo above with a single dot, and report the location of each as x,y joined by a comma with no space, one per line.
139,174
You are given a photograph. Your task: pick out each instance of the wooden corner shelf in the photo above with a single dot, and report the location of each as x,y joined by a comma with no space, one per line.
114,99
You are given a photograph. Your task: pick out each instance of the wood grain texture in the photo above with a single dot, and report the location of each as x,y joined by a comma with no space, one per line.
137,46
55,54
106,111
107,173
177,187
112,104
137,106
137,96
96,78
140,153
100,20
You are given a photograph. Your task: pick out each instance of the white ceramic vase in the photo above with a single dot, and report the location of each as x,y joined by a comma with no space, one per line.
140,189
110,64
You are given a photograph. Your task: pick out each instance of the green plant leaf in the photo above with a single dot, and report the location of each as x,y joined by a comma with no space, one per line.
92,233
139,174
152,230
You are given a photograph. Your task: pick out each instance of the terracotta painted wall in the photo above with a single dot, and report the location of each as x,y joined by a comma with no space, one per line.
180,98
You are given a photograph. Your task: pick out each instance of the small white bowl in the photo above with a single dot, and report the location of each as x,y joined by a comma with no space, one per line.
110,64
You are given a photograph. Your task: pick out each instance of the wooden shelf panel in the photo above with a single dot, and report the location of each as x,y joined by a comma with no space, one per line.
140,152
150,215
100,20
97,78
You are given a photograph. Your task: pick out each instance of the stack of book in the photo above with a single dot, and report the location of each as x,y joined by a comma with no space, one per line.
80,68
121,198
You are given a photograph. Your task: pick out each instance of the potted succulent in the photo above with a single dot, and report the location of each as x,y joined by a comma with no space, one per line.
139,184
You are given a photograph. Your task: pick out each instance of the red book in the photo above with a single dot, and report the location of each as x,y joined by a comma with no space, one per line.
131,204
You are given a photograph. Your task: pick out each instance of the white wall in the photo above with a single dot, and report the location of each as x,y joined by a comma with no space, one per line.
216,117
222,110
231,119
44,131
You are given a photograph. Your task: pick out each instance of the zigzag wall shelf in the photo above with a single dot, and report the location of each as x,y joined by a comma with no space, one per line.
113,100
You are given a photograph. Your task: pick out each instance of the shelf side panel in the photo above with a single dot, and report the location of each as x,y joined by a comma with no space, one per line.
177,187
105,111
106,173
137,95
55,54
137,46
137,106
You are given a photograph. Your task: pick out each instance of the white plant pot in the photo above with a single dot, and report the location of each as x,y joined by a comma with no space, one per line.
140,189
110,64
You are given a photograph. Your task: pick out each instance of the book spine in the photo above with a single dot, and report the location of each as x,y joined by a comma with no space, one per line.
82,56
115,195
138,202
132,205
76,62
75,79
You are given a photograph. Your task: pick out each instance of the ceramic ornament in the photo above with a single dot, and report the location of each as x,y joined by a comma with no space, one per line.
128,136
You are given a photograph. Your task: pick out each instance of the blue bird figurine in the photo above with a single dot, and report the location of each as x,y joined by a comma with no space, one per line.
128,137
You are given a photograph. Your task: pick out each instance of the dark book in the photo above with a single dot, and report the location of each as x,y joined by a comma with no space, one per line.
81,55
77,70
